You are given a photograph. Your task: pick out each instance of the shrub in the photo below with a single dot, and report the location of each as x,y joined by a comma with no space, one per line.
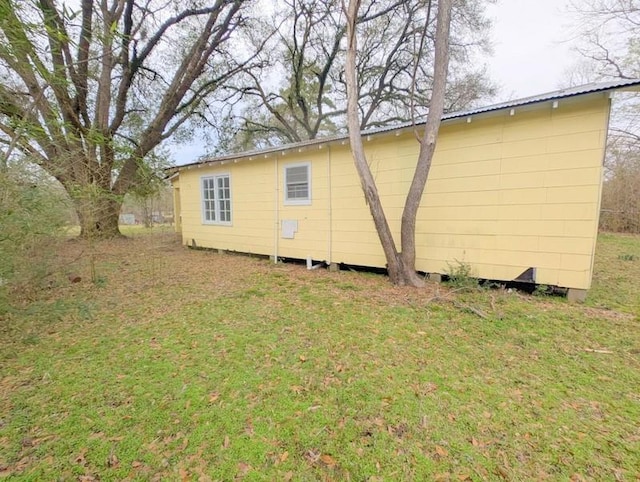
33,212
460,275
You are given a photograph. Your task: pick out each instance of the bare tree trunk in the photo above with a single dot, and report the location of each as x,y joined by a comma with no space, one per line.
98,214
400,265
367,181
428,142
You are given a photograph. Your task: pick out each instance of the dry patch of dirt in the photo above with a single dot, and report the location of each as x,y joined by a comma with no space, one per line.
159,264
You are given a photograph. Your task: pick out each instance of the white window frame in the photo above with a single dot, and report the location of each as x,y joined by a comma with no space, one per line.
216,200
297,201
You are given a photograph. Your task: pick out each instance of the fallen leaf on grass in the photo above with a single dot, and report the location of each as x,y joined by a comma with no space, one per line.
441,451
502,472
329,380
34,442
185,443
113,461
442,477
243,469
312,456
426,389
213,397
288,476
80,459
184,475
22,464
475,442
328,460
226,442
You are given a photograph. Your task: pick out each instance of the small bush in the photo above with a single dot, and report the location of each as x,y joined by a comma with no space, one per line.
543,290
33,212
460,275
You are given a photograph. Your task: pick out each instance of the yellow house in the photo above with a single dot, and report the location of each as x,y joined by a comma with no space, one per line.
514,192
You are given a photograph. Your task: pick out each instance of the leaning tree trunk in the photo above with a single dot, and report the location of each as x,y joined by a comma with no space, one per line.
400,264
367,181
98,213
427,143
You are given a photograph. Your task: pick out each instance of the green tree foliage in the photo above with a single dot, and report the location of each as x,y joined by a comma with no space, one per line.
89,89
34,210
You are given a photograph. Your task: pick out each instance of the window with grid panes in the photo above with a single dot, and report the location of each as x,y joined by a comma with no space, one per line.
216,199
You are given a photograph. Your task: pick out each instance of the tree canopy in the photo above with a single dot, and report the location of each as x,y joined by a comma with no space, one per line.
400,263
610,48
299,91
88,92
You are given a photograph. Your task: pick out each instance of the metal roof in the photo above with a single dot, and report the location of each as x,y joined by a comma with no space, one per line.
592,88
633,84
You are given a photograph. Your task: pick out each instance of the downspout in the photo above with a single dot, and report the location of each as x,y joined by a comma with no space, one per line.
276,211
330,238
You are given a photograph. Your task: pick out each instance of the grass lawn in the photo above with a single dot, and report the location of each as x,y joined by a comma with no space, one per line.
191,365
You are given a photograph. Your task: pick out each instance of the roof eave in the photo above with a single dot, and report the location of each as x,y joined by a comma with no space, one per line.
631,85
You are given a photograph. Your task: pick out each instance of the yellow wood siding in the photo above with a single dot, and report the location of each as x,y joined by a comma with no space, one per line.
505,193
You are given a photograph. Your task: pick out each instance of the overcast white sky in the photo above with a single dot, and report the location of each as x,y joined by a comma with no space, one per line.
533,42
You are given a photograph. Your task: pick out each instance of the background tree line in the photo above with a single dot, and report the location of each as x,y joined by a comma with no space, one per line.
610,48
